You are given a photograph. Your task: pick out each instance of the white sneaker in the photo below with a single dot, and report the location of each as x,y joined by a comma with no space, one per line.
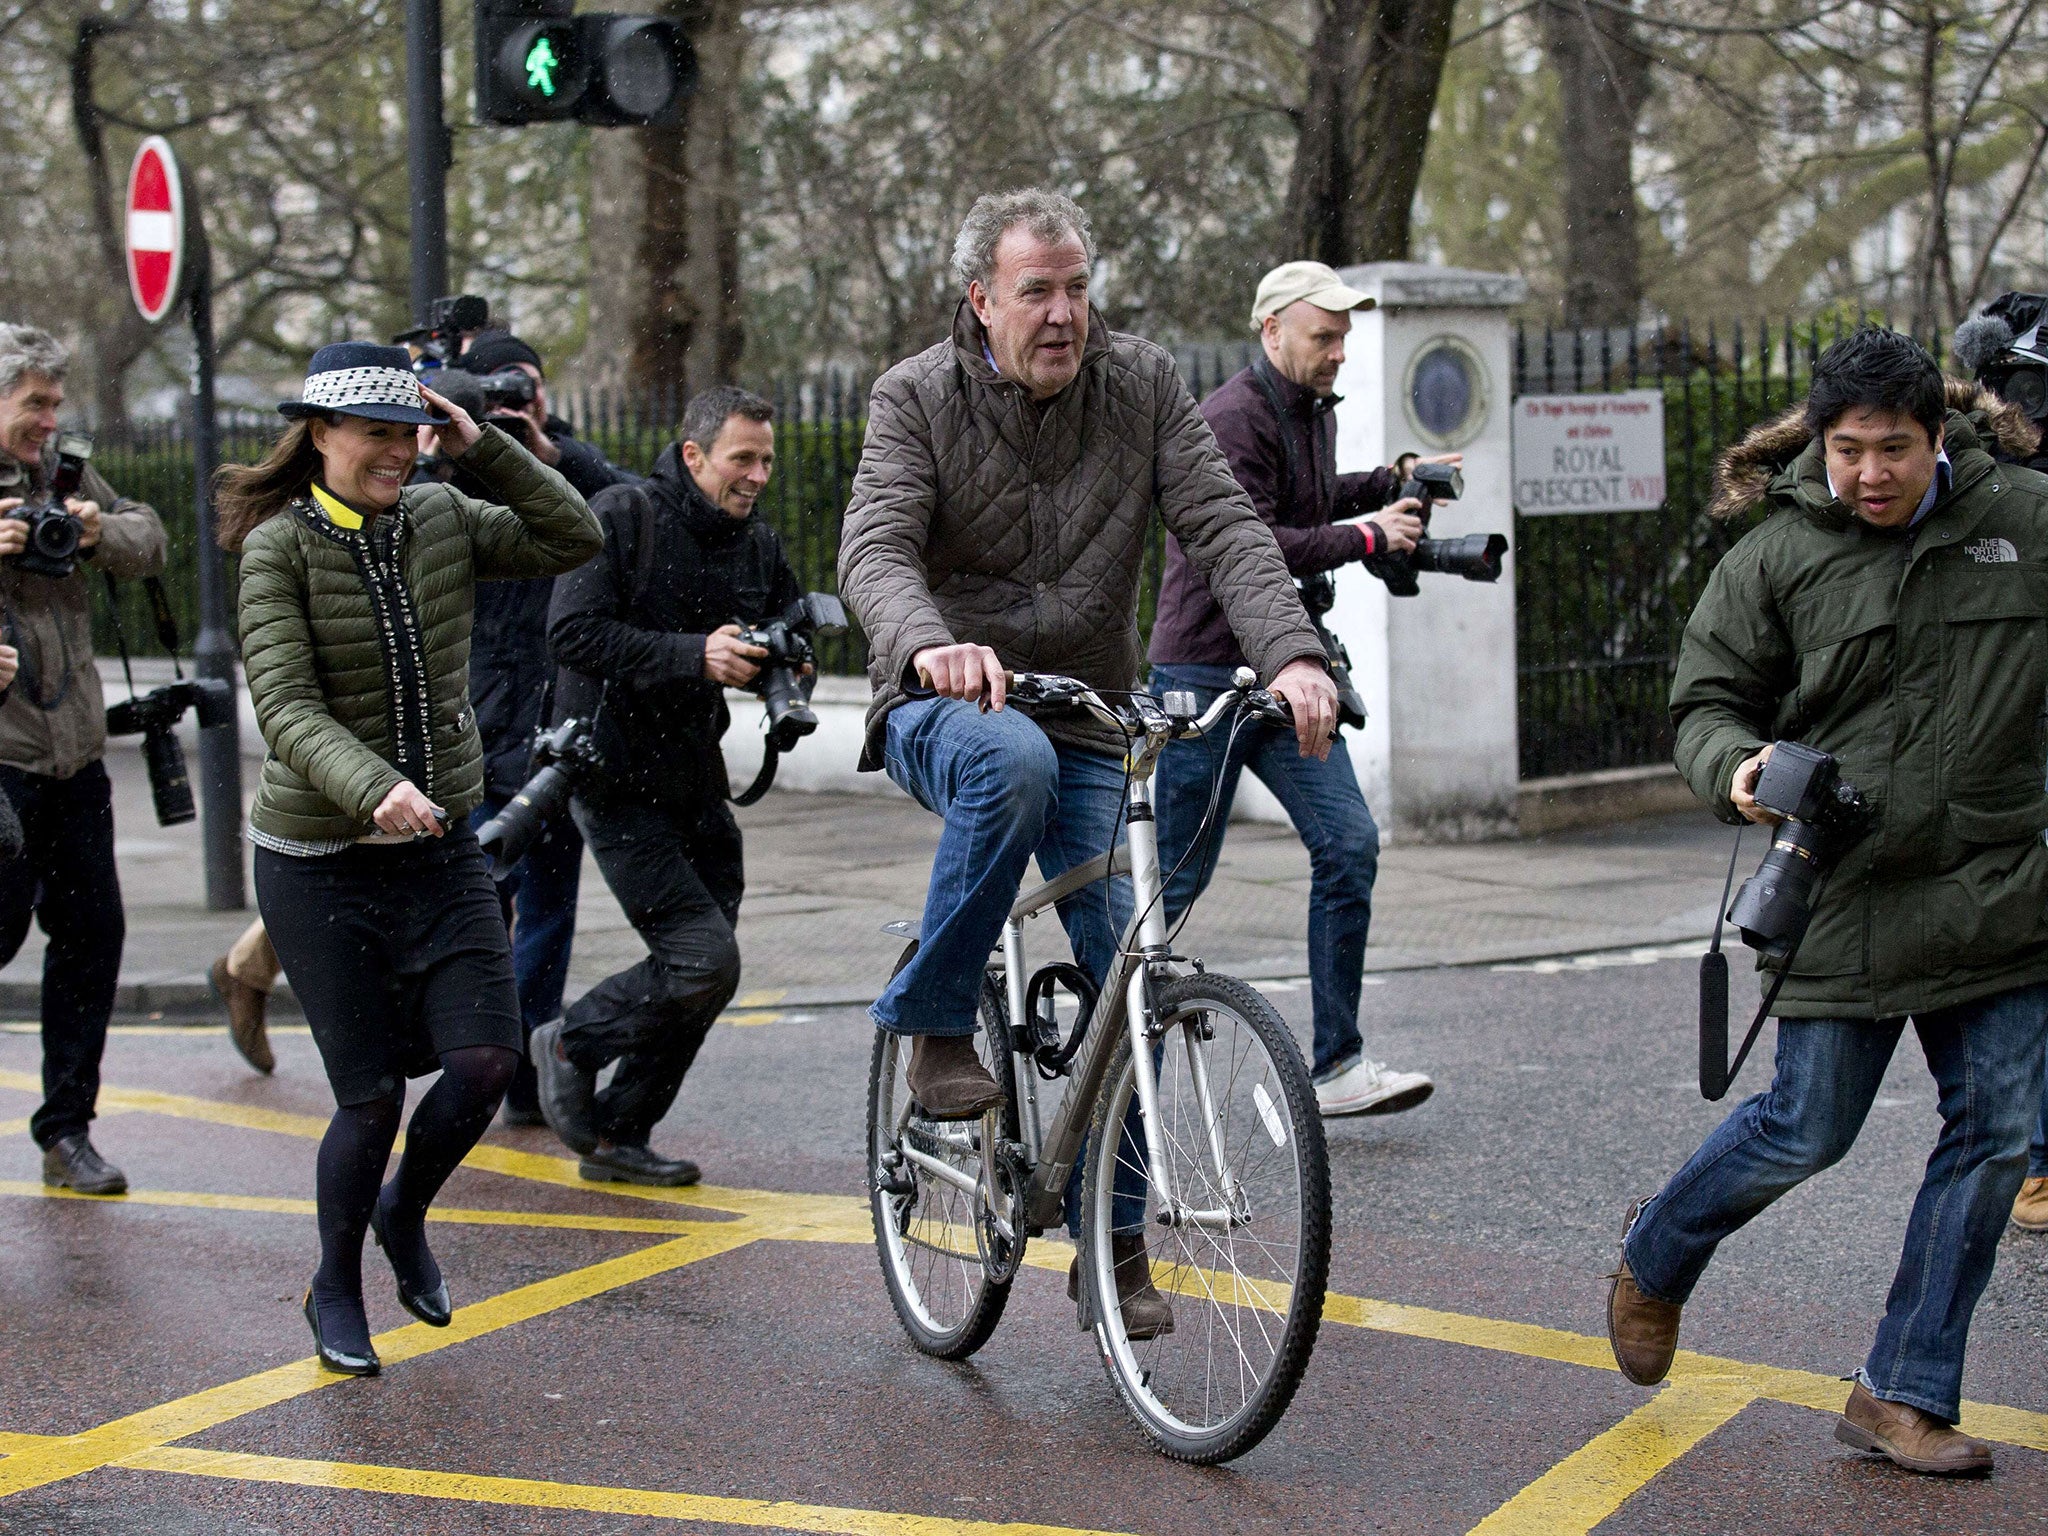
1368,1088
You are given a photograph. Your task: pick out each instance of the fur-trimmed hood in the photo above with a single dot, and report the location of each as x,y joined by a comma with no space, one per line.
1744,472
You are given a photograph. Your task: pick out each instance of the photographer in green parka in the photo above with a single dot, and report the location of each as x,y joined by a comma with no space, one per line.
1891,610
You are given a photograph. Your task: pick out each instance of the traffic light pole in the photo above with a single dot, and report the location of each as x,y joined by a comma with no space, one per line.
213,653
426,143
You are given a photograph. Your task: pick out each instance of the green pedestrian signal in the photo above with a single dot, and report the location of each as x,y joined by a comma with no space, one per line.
541,64
537,61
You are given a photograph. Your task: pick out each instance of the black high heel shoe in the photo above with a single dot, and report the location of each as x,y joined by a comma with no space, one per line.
431,1307
335,1359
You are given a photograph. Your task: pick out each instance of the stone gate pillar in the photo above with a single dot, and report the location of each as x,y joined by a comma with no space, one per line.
1430,371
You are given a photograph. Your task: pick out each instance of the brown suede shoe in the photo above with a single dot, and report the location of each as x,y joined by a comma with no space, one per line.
948,1079
245,1017
1147,1314
1642,1330
2030,1210
1917,1441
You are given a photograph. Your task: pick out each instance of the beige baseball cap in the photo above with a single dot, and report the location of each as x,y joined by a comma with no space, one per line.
1310,280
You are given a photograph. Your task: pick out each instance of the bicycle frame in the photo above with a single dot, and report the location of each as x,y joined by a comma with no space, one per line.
1142,955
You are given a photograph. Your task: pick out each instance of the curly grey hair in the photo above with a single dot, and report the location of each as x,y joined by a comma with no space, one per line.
25,350
1049,215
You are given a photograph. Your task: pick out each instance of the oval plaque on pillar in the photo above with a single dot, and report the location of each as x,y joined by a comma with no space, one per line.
1444,395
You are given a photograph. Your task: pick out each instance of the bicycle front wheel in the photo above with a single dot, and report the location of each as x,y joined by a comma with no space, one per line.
925,1224
1243,1256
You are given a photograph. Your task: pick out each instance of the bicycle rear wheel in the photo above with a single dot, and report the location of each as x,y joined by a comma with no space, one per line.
1245,1266
925,1226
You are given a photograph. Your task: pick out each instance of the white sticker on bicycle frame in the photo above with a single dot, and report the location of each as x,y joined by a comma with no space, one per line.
1275,1126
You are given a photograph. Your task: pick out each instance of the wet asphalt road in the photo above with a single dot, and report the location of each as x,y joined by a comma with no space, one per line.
775,1370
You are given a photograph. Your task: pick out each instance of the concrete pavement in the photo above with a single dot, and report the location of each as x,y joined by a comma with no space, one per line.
825,871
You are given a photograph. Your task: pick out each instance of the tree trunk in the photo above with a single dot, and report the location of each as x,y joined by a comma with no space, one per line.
664,228
1374,69
1603,76
121,337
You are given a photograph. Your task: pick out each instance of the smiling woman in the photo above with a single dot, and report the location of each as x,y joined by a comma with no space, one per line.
357,591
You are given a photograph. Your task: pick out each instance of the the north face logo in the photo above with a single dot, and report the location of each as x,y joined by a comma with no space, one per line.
1993,552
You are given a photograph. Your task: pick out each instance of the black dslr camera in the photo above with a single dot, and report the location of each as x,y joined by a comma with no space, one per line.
53,533
440,339
781,682
1825,815
154,716
1475,556
562,756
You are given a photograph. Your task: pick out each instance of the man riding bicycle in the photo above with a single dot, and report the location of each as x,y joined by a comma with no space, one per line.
998,521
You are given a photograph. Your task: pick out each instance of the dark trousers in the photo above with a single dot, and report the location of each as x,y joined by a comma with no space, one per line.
1323,800
67,879
539,901
677,874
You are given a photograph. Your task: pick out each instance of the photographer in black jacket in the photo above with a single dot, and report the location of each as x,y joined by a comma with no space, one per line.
656,617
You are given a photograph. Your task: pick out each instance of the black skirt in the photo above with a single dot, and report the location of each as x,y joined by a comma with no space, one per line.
396,952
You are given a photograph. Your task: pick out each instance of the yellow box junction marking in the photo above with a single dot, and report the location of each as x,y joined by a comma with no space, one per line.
773,1514
1705,1391
1604,1473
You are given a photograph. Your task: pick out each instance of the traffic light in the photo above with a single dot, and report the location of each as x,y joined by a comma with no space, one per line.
536,61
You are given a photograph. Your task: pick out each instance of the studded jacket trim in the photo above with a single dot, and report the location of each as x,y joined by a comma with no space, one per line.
378,549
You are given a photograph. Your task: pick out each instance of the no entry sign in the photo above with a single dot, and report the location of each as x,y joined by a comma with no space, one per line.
156,230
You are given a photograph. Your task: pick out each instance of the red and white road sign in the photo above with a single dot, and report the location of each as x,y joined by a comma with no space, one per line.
156,229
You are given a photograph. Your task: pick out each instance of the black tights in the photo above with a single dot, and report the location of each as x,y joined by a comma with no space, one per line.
358,1142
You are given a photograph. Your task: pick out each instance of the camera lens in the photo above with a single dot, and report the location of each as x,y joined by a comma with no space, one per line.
1771,908
54,535
507,835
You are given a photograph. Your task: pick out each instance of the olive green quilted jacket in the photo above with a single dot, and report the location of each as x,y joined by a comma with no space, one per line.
356,643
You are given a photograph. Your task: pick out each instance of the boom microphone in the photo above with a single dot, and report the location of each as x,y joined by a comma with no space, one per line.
1981,341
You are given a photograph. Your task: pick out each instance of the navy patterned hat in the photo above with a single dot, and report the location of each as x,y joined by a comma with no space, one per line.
361,378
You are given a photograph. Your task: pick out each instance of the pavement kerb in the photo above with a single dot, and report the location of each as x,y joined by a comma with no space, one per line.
192,998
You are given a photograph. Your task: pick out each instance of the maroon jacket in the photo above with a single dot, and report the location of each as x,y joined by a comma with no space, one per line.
1302,510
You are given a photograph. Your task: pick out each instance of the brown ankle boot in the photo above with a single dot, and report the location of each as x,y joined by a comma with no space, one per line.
1642,1330
1146,1313
1915,1440
948,1079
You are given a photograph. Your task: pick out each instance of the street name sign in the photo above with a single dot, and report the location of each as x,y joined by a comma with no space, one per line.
1589,453
156,230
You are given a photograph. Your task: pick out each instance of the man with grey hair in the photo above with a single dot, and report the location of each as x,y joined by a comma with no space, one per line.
999,520
52,735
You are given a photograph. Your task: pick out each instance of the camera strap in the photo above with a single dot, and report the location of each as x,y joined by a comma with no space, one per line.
1717,1072
160,612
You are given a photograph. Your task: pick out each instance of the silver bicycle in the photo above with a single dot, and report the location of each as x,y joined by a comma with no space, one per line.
1184,1098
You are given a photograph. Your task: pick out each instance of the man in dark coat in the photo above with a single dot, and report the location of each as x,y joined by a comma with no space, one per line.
657,618
509,672
1888,611
1276,424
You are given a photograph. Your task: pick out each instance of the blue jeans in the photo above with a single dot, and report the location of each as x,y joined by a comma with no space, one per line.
539,901
1986,1059
1323,800
1007,794
2037,1154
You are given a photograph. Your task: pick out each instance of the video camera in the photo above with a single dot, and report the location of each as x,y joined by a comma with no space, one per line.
782,682
53,533
563,756
439,341
2006,349
154,717
1475,556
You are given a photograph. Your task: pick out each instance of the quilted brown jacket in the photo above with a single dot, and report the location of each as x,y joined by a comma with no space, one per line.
981,516
356,643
